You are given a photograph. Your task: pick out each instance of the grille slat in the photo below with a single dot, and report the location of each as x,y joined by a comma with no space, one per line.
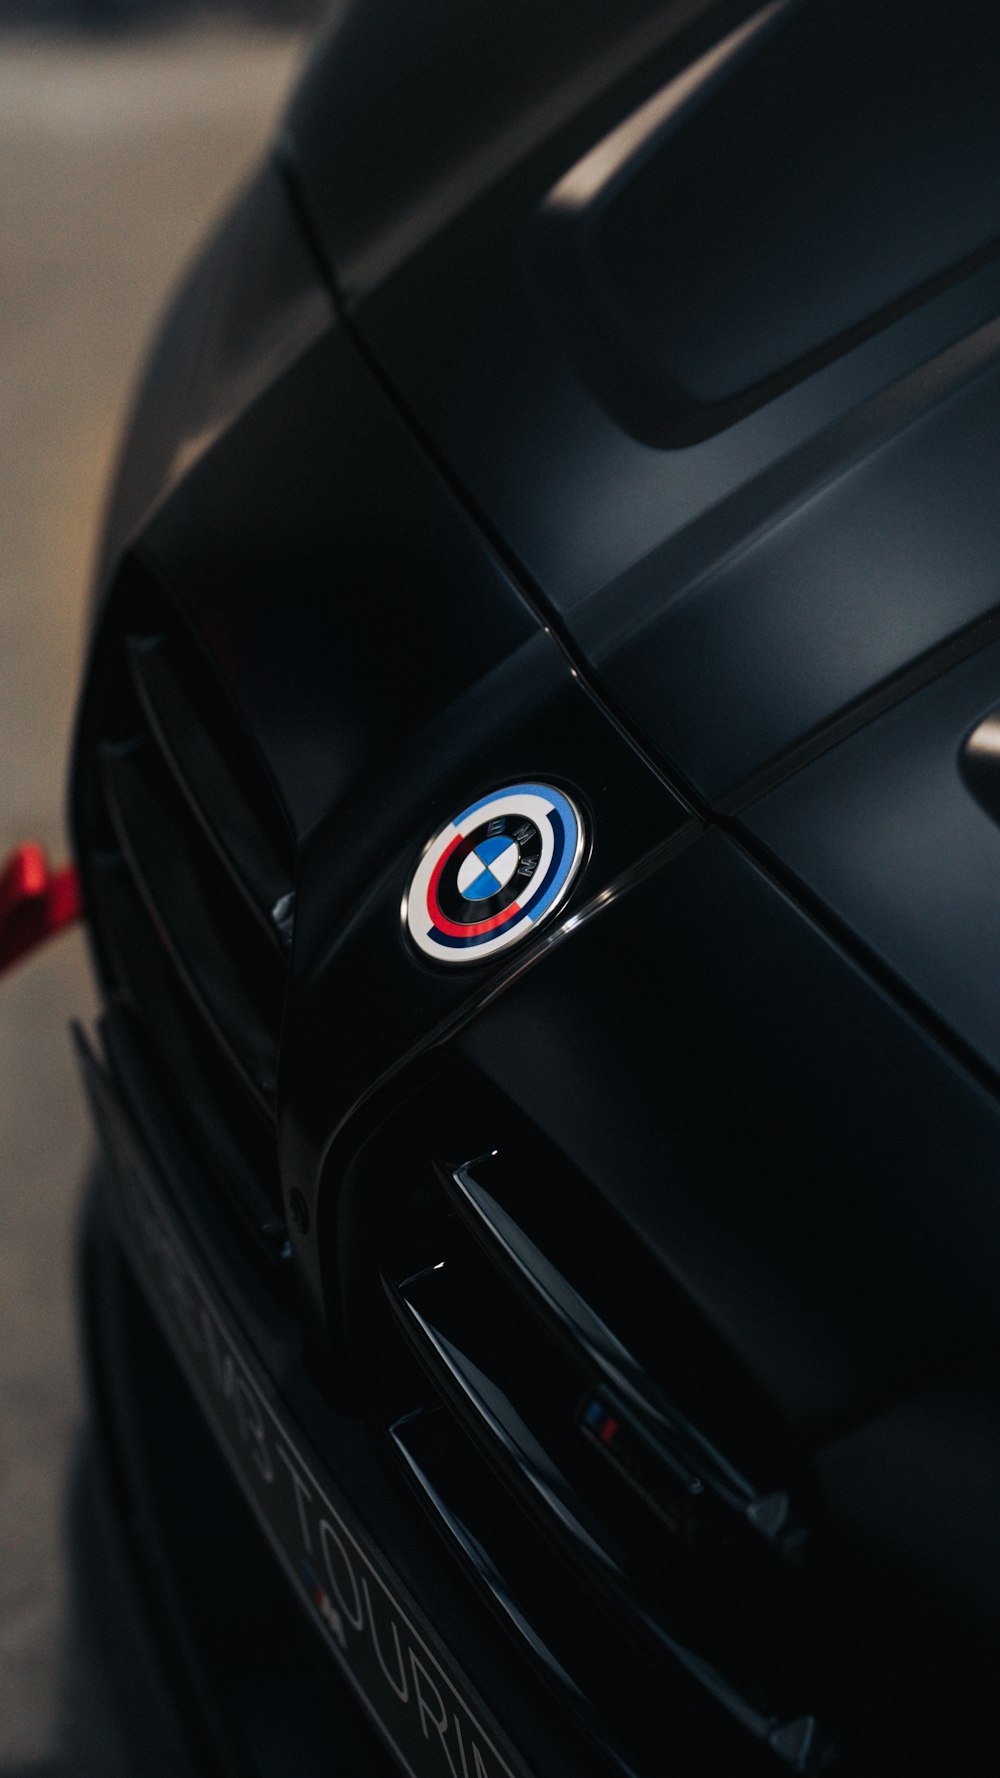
195,933
221,1121
476,1348
613,1691
209,784
526,1389
678,1444
481,1400
463,1505
189,871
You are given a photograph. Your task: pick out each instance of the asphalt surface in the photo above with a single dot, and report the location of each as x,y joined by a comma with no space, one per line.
115,156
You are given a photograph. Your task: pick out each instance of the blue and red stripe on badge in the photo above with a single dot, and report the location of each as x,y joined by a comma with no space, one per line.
494,872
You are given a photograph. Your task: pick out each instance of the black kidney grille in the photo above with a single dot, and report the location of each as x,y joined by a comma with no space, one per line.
625,1546
213,788
188,864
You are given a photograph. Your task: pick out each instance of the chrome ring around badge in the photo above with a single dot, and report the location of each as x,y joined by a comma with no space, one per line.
488,878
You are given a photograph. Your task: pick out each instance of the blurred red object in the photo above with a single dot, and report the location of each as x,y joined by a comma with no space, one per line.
35,902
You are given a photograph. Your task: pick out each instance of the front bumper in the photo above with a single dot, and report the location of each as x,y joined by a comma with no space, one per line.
187,1652
286,1612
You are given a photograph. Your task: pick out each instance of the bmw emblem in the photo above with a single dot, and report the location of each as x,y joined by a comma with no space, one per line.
494,873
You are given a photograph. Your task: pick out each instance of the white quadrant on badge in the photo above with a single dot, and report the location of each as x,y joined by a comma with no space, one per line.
488,878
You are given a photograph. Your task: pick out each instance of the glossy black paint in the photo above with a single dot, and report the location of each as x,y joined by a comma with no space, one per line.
677,572
817,1182
253,302
606,397
337,607
781,1144
886,830
733,166
333,577
468,94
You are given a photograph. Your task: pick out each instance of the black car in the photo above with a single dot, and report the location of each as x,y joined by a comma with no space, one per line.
537,791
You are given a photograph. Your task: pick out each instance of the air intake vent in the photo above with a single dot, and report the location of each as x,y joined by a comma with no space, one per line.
541,1389
188,863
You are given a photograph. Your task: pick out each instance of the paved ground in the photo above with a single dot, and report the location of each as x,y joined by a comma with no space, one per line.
114,156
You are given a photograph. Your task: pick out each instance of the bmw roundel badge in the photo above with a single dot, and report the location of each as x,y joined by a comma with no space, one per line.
499,868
